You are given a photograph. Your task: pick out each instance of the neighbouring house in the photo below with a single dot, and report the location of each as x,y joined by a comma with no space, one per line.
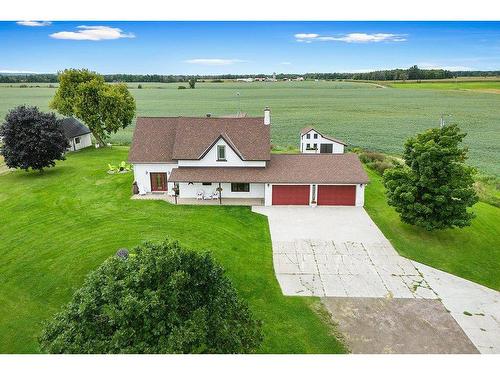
79,136
230,158
313,142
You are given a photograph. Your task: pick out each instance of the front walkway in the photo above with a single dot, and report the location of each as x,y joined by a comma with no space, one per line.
206,202
340,252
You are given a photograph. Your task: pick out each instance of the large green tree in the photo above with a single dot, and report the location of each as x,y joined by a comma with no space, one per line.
161,298
434,188
104,108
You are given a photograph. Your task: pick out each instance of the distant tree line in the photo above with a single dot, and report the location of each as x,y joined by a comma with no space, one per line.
413,73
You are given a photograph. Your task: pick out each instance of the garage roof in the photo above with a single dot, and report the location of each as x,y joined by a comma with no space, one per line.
284,168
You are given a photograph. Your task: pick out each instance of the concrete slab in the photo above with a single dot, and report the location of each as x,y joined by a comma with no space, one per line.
340,252
375,325
475,307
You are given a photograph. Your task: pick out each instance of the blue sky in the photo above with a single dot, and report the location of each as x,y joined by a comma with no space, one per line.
246,47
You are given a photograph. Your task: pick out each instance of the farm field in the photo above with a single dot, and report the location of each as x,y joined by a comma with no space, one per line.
486,86
362,114
57,226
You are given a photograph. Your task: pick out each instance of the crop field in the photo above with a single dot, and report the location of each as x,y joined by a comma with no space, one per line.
363,114
486,86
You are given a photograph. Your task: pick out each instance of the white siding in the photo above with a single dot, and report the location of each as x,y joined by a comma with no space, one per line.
187,190
210,159
85,141
142,174
360,195
338,148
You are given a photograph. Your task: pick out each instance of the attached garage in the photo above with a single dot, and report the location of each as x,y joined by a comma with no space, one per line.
336,195
291,195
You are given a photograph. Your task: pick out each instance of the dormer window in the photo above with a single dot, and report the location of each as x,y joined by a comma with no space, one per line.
221,153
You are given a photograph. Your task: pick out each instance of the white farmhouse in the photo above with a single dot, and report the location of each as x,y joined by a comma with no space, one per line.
78,135
313,142
224,159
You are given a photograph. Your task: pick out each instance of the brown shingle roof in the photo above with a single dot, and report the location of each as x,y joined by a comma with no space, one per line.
166,139
297,168
308,129
153,140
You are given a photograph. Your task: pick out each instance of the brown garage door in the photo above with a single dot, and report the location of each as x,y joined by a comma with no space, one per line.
337,195
291,194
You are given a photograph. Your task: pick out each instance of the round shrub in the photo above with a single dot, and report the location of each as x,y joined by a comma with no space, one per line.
161,299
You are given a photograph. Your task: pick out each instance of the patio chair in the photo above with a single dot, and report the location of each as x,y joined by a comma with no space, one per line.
207,197
215,195
200,194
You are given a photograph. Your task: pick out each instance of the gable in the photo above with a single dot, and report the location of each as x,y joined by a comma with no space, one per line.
248,136
210,157
312,131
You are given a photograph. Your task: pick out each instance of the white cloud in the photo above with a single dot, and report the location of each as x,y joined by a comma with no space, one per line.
14,71
214,61
285,63
94,33
444,67
351,38
306,36
34,23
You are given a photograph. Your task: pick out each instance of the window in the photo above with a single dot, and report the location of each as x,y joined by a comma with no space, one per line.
308,146
77,140
308,136
221,153
315,146
315,135
206,183
240,187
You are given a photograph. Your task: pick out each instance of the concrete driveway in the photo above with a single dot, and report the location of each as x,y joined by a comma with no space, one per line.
340,252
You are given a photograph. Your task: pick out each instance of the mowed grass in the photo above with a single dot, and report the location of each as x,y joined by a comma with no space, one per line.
56,227
362,114
472,253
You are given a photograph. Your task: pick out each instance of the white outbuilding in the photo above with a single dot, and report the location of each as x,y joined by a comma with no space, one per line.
79,136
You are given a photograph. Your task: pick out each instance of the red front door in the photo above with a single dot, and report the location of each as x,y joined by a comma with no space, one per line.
158,181
291,195
337,195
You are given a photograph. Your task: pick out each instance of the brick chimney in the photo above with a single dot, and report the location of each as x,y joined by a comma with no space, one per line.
267,116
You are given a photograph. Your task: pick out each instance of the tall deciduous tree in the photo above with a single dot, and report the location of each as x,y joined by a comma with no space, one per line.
32,139
192,82
159,299
104,108
435,188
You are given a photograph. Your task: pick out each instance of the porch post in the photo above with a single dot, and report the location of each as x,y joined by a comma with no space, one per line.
220,194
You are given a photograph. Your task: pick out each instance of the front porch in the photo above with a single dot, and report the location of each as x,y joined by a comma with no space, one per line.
201,202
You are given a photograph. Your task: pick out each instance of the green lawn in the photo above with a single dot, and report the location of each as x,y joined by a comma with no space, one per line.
374,118
56,227
472,253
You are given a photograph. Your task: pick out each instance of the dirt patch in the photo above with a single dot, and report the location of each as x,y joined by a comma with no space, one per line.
379,325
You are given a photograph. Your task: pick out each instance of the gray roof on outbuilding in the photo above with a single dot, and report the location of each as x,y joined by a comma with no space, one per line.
73,128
